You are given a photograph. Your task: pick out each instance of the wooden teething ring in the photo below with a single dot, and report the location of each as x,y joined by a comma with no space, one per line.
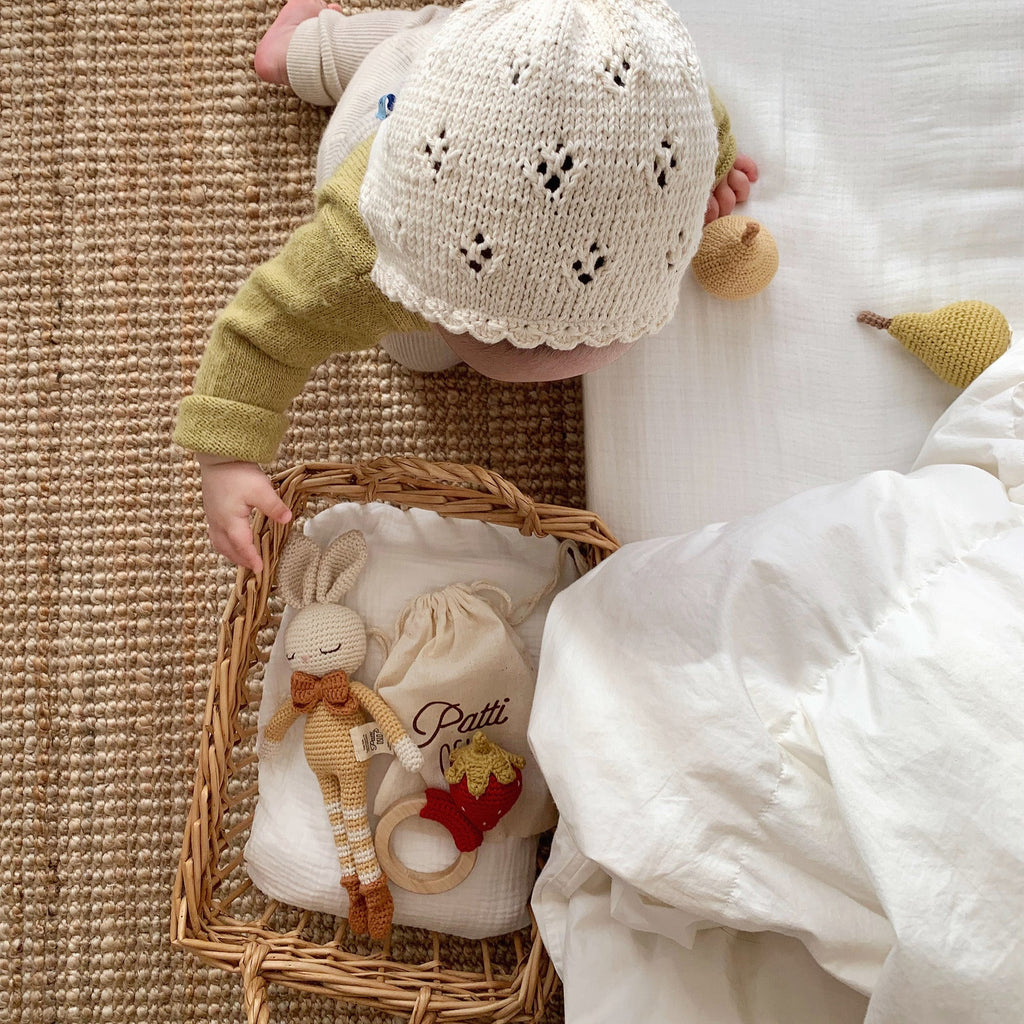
426,882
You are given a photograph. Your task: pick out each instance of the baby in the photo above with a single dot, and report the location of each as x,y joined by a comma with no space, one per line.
516,184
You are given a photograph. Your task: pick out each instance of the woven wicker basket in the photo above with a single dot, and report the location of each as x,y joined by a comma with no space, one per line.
218,914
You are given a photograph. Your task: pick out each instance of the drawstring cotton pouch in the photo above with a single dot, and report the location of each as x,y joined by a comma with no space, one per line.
456,666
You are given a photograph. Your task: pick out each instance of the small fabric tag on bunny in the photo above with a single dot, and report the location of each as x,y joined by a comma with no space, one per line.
368,740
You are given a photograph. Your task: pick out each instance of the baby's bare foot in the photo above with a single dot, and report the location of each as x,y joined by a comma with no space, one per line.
271,60
732,190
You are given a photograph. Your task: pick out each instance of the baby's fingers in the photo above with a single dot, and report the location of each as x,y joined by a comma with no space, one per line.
233,540
236,543
271,505
726,199
267,501
747,166
740,184
711,214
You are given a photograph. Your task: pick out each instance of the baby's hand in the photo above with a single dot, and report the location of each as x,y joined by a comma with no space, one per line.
734,188
231,490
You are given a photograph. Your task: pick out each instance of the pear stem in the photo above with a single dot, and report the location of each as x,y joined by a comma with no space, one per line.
874,320
750,233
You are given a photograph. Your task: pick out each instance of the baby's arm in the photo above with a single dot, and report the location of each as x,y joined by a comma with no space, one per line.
314,298
315,49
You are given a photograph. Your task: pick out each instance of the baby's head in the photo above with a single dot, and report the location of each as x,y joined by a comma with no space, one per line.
540,187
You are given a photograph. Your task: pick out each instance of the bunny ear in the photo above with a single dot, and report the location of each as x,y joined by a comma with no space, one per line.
297,570
341,565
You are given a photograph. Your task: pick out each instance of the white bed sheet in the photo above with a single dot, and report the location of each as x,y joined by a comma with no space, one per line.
889,140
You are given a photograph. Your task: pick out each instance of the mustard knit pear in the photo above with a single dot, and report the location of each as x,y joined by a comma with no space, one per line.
955,342
737,258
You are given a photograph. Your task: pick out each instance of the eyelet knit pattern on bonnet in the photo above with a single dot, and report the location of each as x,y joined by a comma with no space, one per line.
544,175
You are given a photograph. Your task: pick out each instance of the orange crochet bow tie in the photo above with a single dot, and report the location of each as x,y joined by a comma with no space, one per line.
332,689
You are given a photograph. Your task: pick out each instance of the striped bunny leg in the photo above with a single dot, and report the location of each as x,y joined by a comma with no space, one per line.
380,906
373,884
331,789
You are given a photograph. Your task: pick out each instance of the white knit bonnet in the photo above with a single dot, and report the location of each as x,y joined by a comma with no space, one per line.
544,174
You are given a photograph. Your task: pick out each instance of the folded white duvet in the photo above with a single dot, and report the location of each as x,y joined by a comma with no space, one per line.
807,723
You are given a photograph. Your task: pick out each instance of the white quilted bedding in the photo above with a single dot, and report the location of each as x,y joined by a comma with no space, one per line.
790,762
788,751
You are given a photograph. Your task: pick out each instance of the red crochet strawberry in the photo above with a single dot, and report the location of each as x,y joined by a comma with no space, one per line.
485,781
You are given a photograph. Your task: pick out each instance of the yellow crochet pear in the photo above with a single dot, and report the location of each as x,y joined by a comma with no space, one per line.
955,342
737,258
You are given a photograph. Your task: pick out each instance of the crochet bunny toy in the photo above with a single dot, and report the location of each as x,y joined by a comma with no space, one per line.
325,641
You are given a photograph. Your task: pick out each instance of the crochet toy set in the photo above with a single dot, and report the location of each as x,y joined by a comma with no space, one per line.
450,701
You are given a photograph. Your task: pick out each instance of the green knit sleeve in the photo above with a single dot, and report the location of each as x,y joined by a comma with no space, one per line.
726,142
314,298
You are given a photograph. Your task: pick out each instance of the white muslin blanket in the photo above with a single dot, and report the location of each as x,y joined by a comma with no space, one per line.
788,751
290,854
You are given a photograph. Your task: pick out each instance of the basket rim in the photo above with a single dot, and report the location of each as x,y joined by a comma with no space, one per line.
254,949
451,489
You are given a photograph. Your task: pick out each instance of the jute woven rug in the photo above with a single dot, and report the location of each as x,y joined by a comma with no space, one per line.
143,172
